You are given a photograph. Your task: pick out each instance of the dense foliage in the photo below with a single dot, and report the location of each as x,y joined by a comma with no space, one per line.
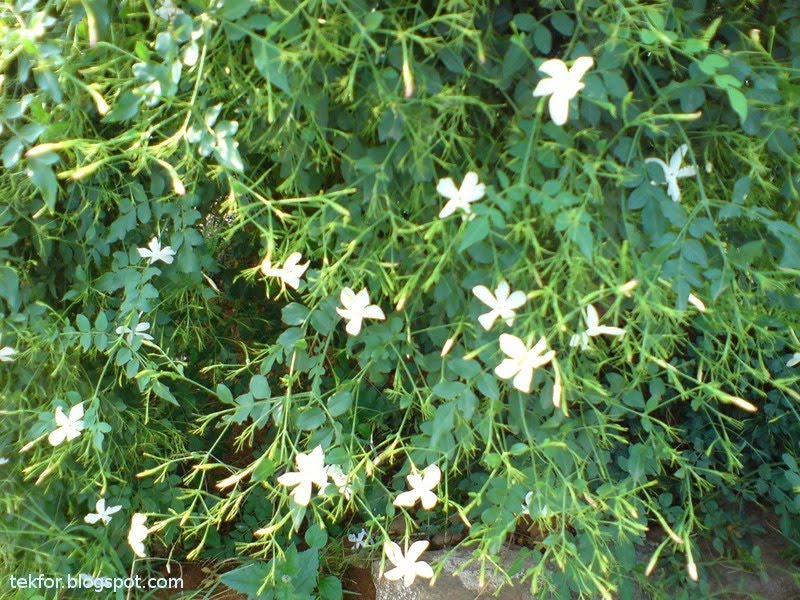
238,131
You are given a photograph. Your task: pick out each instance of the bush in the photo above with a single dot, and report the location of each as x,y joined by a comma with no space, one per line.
234,247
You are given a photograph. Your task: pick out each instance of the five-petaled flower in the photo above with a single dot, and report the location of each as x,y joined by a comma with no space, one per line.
7,353
794,361
460,198
340,480
421,485
69,427
593,329
503,303
407,567
355,308
522,361
291,271
310,471
140,330
103,513
155,252
360,540
562,85
137,534
673,171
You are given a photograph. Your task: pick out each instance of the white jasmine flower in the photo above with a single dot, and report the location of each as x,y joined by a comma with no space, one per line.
155,252
7,353
140,330
421,485
103,513
355,308
310,471
562,85
794,361
291,271
69,427
460,198
407,567
340,480
544,512
673,171
522,361
503,303
360,540
137,534
593,327
696,302
581,339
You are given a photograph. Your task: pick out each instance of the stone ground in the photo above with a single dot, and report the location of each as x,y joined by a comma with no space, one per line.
775,577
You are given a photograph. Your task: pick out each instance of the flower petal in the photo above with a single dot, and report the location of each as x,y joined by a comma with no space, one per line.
545,87
555,67
580,67
407,499
415,550
523,379
483,294
559,108
512,346
507,369
447,188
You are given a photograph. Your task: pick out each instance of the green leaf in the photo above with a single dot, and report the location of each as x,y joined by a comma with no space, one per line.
235,9
311,418
224,394
316,536
83,323
738,103
126,108
228,155
267,60
562,23
476,231
259,387
449,389
543,39
525,22
12,152
340,403
44,179
330,588
248,579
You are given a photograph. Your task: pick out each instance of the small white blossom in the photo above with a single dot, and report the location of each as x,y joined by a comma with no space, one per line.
673,171
407,567
155,252
562,85
503,303
794,361
310,471
340,480
522,361
137,534
593,329
291,271
3,460
360,540
544,512
140,330
7,353
103,513
69,427
696,302
355,308
421,485
460,198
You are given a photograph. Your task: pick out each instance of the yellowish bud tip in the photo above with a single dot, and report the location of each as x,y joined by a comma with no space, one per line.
743,404
691,567
447,346
408,80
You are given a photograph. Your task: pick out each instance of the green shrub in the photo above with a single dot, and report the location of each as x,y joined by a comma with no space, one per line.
663,303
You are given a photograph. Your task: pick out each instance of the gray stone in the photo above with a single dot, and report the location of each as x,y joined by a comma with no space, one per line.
464,585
